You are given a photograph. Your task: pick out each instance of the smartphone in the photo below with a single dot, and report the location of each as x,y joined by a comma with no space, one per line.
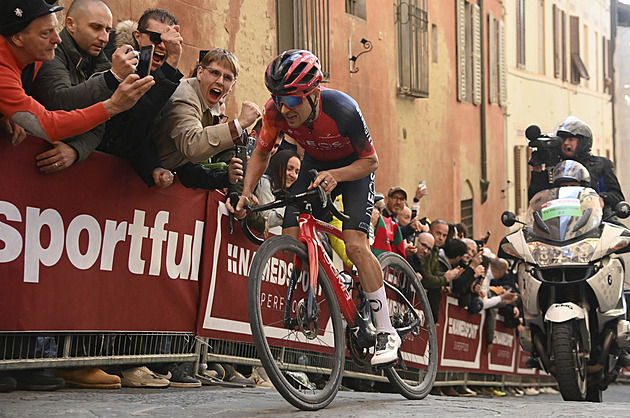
145,59
241,152
202,54
422,184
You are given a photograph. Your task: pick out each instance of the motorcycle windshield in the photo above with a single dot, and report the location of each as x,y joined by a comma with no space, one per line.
564,213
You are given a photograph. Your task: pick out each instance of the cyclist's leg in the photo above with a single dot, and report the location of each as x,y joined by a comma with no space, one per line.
358,202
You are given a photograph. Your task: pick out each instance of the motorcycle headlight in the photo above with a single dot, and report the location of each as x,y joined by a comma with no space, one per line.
549,255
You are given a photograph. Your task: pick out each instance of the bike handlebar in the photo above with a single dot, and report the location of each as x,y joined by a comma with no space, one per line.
285,199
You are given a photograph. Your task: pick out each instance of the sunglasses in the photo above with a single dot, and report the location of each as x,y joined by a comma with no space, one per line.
290,102
154,37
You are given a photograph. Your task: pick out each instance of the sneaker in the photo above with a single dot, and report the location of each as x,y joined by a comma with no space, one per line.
89,378
450,391
496,392
464,391
548,390
531,391
218,369
38,379
7,384
512,391
179,378
258,378
437,391
232,375
518,391
142,377
385,349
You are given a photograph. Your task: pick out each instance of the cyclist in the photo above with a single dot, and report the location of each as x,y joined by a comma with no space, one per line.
329,125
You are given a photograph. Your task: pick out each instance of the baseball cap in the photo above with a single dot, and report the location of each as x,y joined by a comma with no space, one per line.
397,189
15,15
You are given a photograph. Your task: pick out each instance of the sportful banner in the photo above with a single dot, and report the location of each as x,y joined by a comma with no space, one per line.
93,248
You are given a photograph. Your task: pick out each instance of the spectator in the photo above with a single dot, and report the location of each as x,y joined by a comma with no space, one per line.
421,191
395,202
404,217
281,173
129,135
190,132
79,76
433,278
462,230
577,142
28,39
425,243
494,299
467,285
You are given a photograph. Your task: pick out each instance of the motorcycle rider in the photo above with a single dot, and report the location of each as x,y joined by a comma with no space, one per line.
576,145
572,173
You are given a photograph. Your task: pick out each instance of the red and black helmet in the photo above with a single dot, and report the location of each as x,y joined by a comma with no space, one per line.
295,72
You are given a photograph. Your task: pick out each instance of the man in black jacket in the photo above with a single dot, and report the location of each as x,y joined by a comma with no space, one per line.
79,76
577,142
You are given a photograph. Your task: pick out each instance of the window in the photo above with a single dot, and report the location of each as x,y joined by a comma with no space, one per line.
412,28
467,215
559,44
468,52
356,8
578,69
607,65
520,34
305,24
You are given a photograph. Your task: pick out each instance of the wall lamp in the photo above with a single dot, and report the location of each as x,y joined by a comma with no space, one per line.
353,59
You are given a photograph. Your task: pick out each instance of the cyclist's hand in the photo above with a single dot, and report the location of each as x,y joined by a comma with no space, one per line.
326,180
238,211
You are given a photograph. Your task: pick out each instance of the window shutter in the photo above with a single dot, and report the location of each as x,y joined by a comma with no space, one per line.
476,56
502,66
493,95
461,50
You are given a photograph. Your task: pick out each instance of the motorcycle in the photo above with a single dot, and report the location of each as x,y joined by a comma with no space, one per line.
571,281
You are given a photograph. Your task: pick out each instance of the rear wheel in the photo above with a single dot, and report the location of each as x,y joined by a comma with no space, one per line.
414,373
303,355
569,361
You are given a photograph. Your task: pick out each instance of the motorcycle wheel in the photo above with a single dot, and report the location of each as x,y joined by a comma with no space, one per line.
570,365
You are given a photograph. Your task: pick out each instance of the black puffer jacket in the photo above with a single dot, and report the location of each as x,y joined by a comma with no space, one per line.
603,180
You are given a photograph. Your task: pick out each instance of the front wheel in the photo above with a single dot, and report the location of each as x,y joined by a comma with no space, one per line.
414,374
301,349
569,361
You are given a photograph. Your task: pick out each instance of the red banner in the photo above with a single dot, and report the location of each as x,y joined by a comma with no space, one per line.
93,248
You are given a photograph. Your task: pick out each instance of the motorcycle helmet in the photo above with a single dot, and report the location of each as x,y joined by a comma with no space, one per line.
574,127
295,72
570,171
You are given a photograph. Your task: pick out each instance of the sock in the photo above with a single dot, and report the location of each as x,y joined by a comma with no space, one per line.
380,311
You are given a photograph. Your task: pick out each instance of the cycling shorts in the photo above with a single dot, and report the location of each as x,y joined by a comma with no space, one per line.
357,195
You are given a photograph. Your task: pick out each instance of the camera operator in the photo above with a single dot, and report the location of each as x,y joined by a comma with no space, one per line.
576,141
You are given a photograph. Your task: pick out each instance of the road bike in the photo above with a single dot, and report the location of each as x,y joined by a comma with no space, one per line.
296,299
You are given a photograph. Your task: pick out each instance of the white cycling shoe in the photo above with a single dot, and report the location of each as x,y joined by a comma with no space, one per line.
386,349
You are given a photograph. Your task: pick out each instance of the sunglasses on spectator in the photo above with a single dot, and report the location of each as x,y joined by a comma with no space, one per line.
154,37
290,102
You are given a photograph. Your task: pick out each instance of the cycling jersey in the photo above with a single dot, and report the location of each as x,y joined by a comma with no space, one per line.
338,132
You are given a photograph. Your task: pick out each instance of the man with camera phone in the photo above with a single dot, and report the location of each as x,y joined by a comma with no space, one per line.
572,140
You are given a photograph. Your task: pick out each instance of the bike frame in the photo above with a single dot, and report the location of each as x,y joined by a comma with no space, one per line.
309,226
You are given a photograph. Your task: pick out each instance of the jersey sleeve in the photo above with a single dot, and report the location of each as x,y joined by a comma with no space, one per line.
271,126
37,120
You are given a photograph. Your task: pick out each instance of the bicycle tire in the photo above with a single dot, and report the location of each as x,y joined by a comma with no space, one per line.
414,374
283,351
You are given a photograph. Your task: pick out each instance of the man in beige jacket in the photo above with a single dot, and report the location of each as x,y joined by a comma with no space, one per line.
190,131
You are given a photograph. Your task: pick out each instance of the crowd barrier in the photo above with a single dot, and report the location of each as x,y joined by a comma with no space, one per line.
91,257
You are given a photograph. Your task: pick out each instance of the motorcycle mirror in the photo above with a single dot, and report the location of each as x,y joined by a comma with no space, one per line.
622,210
508,218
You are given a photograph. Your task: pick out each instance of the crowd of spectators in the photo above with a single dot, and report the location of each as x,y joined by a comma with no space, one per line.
78,89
